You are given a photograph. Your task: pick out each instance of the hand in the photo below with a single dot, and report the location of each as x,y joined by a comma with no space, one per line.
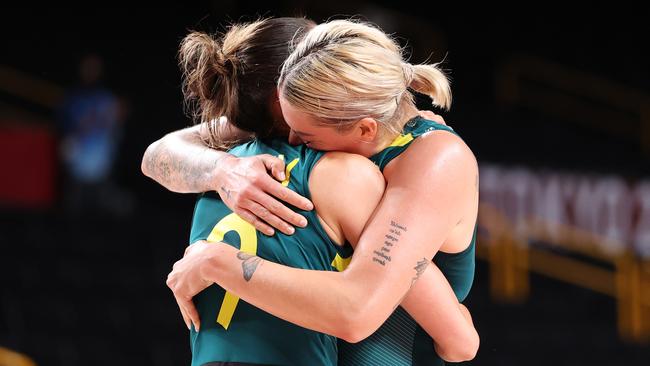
246,187
432,116
185,281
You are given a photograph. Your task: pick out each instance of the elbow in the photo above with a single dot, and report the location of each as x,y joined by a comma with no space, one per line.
461,351
358,323
146,166
353,333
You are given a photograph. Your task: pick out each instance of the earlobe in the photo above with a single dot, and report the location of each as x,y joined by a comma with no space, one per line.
368,128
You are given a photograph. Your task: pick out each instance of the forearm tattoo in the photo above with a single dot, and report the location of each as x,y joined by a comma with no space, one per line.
391,239
249,264
180,171
419,268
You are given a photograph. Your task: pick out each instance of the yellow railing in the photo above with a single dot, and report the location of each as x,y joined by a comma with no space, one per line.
626,277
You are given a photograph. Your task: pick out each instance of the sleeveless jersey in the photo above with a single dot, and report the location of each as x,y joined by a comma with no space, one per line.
235,331
400,341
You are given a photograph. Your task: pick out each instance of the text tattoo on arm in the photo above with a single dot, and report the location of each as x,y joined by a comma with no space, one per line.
382,255
249,264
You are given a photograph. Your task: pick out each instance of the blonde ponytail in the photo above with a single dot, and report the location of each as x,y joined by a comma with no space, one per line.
431,81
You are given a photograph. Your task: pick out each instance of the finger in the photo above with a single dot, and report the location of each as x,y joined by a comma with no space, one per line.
284,194
256,222
286,217
186,318
193,314
269,218
275,165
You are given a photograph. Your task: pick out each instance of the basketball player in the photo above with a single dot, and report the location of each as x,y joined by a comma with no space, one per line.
378,140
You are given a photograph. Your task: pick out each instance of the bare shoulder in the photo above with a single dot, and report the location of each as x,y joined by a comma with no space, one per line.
345,175
443,143
439,169
436,152
346,167
345,189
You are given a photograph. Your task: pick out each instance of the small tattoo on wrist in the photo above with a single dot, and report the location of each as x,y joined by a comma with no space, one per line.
249,264
226,191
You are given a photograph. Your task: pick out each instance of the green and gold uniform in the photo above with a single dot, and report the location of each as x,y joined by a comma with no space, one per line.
235,331
400,341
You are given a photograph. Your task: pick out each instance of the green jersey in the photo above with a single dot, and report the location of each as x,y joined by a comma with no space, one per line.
235,331
400,341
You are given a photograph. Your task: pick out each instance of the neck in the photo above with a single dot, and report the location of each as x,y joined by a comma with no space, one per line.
383,140
369,149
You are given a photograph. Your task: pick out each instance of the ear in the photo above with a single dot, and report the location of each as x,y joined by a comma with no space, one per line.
367,129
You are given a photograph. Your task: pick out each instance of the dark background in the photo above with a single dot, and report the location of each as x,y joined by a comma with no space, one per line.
93,292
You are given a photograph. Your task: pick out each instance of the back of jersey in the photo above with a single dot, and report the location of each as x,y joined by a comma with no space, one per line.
235,331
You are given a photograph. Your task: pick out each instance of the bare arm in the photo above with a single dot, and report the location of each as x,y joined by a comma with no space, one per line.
388,259
431,301
181,162
354,303
433,305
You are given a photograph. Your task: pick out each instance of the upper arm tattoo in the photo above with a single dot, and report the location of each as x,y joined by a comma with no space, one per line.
391,239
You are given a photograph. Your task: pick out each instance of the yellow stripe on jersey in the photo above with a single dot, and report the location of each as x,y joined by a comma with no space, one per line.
402,140
341,263
287,175
248,244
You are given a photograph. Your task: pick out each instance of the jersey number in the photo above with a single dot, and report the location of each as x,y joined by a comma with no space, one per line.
248,240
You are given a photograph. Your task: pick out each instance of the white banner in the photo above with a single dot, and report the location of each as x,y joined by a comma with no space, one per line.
614,210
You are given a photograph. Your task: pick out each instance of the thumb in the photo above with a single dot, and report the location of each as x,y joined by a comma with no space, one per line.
275,165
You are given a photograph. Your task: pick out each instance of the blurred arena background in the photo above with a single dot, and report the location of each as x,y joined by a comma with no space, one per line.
555,104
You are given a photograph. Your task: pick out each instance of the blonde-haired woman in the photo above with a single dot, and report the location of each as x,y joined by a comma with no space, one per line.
346,87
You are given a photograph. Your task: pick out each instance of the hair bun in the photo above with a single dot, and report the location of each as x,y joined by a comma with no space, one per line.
226,62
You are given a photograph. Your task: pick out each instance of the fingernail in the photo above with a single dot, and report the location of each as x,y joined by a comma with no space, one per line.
269,232
303,222
310,206
291,230
282,176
